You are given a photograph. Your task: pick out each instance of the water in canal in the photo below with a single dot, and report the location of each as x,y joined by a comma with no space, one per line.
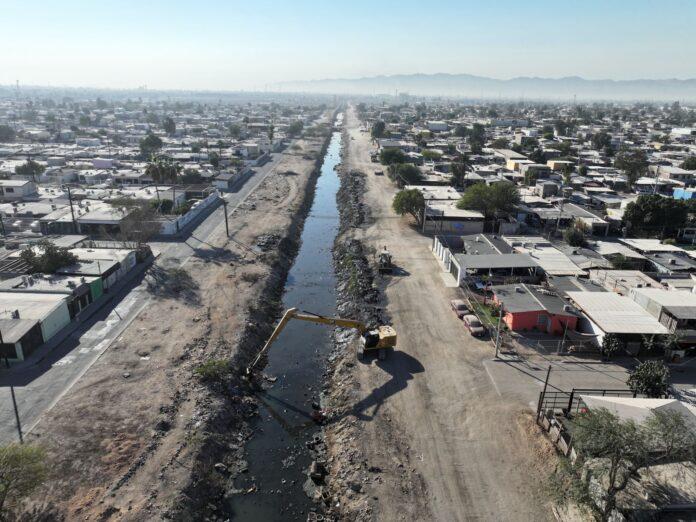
276,454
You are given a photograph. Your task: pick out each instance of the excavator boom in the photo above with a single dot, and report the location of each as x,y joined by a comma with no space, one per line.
294,313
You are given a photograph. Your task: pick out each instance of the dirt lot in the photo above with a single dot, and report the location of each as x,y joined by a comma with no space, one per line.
428,438
125,441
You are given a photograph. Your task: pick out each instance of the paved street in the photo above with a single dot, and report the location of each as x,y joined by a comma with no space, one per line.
40,385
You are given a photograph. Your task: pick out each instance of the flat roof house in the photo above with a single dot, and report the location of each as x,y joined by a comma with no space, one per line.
50,310
549,258
529,307
622,281
17,189
445,218
20,337
610,313
675,309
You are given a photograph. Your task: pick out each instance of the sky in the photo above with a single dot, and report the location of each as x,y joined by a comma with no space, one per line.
252,45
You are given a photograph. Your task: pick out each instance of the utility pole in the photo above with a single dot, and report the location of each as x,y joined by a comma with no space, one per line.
497,337
16,412
227,224
72,211
14,400
543,393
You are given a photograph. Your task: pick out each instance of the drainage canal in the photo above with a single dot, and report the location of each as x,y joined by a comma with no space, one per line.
277,456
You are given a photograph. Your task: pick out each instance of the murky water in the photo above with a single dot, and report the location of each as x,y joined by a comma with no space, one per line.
276,454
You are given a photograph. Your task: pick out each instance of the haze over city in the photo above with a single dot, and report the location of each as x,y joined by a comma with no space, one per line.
220,45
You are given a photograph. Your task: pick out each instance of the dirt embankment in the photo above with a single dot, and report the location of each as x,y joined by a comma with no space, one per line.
156,428
358,296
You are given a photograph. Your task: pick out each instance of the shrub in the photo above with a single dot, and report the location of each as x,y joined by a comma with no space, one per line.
213,371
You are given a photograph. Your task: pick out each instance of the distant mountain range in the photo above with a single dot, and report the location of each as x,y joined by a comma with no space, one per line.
470,86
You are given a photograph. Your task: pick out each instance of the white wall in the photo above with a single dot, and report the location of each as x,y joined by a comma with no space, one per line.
56,320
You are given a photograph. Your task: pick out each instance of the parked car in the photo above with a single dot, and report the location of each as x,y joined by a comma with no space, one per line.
474,326
460,308
379,173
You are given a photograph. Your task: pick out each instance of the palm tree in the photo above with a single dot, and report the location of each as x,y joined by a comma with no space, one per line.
163,170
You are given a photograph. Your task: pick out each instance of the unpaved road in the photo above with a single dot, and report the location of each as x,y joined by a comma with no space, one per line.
449,448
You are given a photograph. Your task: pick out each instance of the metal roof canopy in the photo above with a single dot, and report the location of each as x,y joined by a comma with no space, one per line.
614,313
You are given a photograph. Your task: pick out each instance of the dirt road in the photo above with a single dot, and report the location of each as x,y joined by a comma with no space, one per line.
447,447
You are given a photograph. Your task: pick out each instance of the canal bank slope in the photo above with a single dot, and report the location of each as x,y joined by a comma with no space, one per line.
156,428
422,435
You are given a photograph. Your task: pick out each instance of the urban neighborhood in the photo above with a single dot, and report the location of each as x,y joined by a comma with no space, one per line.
290,263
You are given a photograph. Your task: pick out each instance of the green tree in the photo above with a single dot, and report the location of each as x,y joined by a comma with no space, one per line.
409,202
404,174
431,155
391,156
150,144
575,235
616,450
169,125
214,159
235,131
564,147
7,133
22,470
378,128
271,132
46,258
500,143
650,378
490,200
600,140
538,156
653,214
458,173
30,168
610,345
163,170
688,164
295,128
477,138
191,177
582,170
530,178
634,163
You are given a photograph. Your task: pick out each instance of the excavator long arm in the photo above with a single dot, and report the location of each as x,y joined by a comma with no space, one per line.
294,313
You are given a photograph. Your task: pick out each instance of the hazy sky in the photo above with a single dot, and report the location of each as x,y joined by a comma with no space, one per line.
218,44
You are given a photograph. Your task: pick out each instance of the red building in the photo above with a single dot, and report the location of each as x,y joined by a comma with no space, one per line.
529,307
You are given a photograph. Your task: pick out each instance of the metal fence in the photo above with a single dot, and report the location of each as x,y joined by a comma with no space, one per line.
571,402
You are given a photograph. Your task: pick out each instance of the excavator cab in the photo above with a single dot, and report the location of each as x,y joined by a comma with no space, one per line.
380,339
384,261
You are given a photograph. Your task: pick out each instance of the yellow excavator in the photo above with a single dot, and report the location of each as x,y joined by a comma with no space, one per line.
379,339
